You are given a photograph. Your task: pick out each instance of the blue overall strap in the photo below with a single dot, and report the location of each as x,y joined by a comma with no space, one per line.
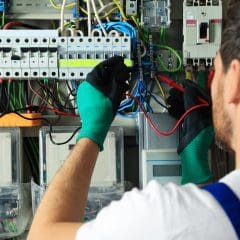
229,202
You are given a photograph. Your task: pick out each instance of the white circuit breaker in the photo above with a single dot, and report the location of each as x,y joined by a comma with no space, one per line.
10,156
33,54
109,166
202,29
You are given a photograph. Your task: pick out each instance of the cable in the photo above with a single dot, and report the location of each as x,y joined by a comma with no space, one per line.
68,140
98,19
89,17
102,6
47,121
19,24
173,51
62,15
153,126
160,88
58,7
121,10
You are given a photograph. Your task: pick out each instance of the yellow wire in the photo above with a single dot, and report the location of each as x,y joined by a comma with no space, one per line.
53,4
188,75
160,88
109,13
121,10
136,23
70,5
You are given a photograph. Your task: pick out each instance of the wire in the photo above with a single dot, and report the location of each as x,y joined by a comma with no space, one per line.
98,19
62,15
121,10
160,88
152,124
89,17
58,7
47,121
3,19
102,6
68,140
109,13
122,27
173,51
37,94
19,24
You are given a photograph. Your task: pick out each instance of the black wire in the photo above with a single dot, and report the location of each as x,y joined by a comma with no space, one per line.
50,127
58,105
68,140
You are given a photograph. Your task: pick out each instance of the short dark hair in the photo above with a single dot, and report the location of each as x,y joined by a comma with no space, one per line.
230,45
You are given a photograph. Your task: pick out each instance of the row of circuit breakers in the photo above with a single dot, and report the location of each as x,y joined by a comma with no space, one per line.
33,54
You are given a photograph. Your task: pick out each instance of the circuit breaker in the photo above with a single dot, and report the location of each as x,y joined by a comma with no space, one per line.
37,54
202,29
156,14
109,166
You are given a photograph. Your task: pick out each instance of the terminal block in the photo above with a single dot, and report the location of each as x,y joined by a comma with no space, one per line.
202,28
37,54
156,14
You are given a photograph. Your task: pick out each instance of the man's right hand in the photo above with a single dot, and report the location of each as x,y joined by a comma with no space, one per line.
99,96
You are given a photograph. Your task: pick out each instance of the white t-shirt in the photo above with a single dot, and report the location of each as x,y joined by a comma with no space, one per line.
164,212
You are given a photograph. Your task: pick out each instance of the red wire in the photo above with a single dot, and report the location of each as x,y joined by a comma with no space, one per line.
58,111
13,24
152,124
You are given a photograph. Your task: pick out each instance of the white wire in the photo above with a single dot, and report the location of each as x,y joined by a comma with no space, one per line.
80,33
98,19
62,15
98,31
89,17
113,33
111,4
144,49
102,5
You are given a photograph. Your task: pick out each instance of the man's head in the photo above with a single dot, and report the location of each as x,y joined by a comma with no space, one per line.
226,82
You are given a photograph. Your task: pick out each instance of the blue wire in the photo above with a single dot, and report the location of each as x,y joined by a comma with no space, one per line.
122,27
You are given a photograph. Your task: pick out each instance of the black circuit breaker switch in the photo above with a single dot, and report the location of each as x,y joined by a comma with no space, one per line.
204,32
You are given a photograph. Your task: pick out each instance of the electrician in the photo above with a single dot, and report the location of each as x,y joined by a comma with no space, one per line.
157,212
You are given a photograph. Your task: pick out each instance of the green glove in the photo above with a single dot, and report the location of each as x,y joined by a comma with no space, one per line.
99,96
196,135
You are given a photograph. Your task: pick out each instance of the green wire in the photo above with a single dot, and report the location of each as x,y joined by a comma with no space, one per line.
3,19
14,95
173,51
20,94
202,79
10,99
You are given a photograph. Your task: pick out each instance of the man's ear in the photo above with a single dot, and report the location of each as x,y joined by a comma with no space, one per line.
233,82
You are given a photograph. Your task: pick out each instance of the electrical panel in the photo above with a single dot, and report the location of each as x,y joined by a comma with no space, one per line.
109,166
10,156
202,29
